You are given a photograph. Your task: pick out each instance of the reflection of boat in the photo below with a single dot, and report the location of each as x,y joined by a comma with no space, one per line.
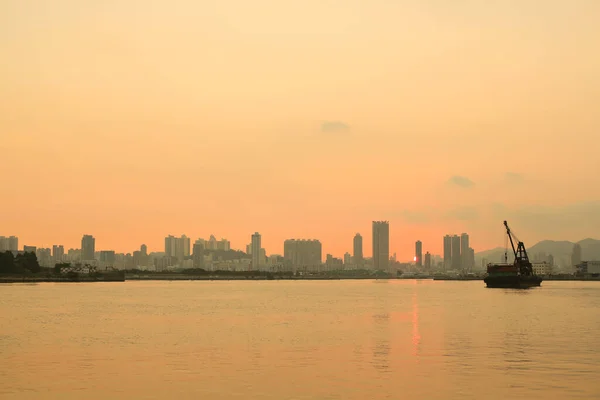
517,275
469,277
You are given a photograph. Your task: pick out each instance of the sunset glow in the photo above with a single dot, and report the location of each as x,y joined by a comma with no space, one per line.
134,120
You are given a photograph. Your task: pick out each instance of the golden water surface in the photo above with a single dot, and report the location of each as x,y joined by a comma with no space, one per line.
397,339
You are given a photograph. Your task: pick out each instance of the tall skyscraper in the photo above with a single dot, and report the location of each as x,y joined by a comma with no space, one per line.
456,252
358,250
58,253
224,244
255,248
3,244
348,260
470,259
88,248
140,257
303,253
465,254
198,254
447,252
212,243
178,248
427,260
44,256
170,246
107,258
419,253
381,245
185,246
13,243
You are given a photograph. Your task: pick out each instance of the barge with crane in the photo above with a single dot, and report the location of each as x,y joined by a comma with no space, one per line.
519,274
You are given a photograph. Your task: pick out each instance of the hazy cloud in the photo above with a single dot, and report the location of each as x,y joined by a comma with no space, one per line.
498,210
514,177
411,217
568,220
334,127
585,210
461,181
414,217
465,213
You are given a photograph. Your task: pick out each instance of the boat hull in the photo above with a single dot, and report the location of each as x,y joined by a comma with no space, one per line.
512,282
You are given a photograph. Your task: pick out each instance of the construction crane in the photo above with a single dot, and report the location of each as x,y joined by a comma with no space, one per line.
521,257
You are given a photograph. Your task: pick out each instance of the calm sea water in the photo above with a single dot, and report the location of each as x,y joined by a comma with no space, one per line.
299,340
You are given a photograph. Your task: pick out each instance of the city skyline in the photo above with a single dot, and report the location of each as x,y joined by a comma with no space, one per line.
435,248
180,247
300,255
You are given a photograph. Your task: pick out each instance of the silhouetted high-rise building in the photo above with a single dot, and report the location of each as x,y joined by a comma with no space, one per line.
333,263
465,255
470,259
44,257
88,248
185,246
456,260
213,244
10,243
58,253
427,260
255,247
178,248
198,254
29,249
170,246
302,253
13,243
419,253
358,258
381,245
107,258
223,244
139,258
447,252
348,259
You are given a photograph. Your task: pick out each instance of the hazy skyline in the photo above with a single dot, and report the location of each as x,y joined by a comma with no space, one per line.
132,120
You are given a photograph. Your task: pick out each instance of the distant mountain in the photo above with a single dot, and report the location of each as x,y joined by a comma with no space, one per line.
560,250
491,254
552,247
590,249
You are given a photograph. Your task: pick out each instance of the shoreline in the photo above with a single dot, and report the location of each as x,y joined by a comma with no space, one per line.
174,277
252,278
60,279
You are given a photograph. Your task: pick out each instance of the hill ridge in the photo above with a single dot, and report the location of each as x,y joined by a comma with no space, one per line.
559,249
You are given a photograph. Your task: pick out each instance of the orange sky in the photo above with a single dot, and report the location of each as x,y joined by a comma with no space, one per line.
132,120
